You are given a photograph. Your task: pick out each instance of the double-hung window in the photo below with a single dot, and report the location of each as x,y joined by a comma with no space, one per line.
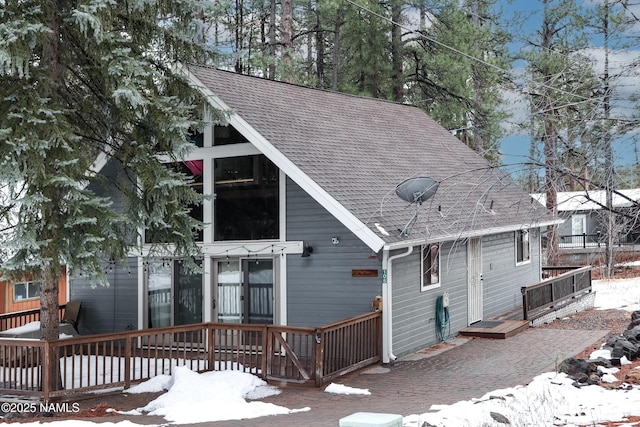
523,247
430,266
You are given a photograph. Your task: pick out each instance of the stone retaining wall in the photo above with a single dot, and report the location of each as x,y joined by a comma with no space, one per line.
579,304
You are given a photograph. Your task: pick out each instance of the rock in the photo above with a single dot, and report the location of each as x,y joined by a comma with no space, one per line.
600,361
633,333
618,342
500,418
573,366
633,323
581,377
594,379
12,416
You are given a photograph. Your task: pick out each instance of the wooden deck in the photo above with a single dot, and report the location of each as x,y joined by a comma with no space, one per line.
496,329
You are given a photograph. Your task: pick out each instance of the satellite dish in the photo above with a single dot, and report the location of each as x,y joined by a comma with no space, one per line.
415,190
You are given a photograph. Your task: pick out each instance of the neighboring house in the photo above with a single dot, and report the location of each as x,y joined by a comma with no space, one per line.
304,227
24,294
586,221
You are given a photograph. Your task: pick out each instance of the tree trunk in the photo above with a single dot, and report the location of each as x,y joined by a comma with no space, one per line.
272,40
478,138
608,152
336,47
396,52
287,40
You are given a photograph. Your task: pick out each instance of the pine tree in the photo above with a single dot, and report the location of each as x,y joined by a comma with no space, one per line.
84,80
455,72
561,87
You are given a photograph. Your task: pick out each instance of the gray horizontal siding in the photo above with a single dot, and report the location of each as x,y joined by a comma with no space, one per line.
502,277
109,308
320,288
414,311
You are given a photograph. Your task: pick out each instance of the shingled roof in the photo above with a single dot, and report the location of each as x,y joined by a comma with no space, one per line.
351,152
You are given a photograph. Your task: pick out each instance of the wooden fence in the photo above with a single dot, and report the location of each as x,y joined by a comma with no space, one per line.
309,356
561,285
21,318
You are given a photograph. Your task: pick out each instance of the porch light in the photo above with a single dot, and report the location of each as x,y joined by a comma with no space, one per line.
306,250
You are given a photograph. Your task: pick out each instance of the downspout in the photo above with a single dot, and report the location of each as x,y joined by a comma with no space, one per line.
387,300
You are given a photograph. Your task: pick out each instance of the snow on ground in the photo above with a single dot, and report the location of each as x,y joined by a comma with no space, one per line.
550,399
622,294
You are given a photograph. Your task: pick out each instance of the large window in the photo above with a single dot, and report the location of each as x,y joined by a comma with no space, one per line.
430,266
246,202
193,169
26,290
523,247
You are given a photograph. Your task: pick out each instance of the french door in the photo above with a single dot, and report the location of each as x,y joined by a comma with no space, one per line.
174,294
243,291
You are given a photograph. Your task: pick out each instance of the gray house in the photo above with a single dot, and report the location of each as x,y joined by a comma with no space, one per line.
584,212
304,226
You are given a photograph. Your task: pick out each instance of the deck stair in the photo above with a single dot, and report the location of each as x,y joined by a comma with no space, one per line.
496,329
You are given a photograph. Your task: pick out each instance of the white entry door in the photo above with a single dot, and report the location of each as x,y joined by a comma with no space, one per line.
474,251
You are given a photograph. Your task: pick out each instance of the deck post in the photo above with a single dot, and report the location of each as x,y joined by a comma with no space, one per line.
127,361
318,357
46,372
211,347
267,351
525,302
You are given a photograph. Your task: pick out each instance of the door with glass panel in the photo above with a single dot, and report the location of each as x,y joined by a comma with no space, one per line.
174,297
244,291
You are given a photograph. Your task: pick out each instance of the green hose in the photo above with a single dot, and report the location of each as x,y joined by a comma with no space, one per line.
443,327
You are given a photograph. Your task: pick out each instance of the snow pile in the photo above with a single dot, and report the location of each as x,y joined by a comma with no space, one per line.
210,396
550,399
343,389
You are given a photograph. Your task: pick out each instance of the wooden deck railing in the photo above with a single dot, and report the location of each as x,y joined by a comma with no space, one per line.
561,284
21,318
311,356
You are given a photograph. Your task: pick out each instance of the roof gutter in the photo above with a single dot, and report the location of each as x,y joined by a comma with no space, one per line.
387,299
475,233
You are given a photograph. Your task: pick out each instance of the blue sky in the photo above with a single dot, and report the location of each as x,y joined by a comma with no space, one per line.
515,146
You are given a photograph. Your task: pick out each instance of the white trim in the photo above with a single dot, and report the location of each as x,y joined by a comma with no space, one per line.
282,205
342,214
207,289
475,295
471,234
207,203
387,301
218,152
252,248
516,234
142,300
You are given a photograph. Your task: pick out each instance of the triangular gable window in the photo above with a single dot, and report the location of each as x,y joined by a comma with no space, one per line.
225,135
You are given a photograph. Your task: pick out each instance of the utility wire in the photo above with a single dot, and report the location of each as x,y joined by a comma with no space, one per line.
466,55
